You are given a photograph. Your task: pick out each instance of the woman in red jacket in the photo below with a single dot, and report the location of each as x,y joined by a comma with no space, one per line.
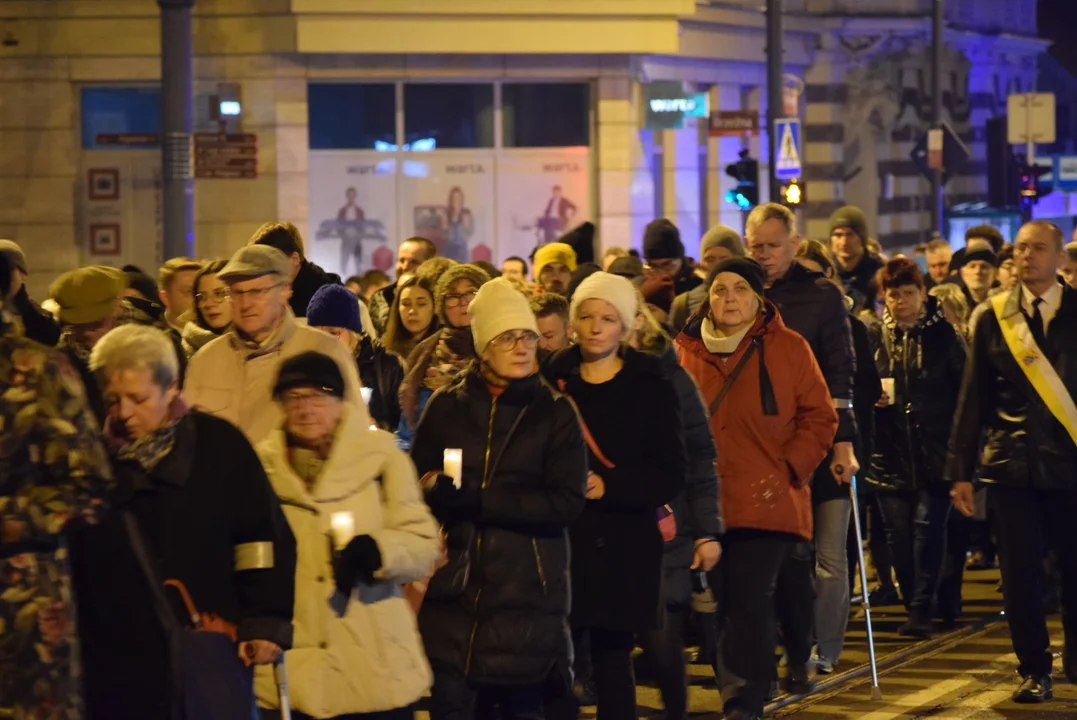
773,422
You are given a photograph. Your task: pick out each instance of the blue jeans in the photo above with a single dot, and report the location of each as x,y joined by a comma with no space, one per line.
916,532
832,519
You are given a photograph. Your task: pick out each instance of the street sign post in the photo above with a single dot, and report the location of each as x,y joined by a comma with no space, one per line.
787,136
953,153
734,123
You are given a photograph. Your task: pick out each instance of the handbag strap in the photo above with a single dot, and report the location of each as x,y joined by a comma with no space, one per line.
595,449
733,376
160,603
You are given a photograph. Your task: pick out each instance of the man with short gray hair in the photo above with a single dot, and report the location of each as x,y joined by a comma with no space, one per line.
232,376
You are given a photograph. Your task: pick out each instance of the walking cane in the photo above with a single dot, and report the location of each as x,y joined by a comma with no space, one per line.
281,674
876,693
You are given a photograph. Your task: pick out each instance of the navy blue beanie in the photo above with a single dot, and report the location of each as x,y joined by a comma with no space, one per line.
334,306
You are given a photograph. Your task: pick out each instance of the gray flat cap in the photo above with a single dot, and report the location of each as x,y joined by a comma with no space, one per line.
253,261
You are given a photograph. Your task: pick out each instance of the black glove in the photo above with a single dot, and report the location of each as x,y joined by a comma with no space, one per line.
451,504
356,563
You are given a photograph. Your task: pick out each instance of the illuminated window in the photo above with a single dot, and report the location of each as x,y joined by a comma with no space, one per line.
546,114
351,116
116,117
450,115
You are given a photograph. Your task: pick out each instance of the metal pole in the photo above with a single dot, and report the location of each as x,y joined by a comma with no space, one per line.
937,25
177,191
774,93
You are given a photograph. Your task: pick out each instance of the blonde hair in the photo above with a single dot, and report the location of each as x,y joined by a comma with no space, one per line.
136,347
770,211
951,295
172,267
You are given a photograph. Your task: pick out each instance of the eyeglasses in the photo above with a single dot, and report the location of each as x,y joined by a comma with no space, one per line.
292,399
220,295
508,341
461,299
667,267
254,293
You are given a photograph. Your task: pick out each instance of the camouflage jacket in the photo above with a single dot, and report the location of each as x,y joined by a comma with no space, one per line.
53,469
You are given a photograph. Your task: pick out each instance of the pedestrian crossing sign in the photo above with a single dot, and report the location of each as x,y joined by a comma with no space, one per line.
787,133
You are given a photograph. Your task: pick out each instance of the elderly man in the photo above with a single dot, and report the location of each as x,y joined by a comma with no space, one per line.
91,304
232,377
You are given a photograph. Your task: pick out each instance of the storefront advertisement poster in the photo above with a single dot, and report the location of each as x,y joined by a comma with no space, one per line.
447,198
353,224
542,194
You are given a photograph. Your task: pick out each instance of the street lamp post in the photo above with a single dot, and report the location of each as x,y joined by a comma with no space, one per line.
774,93
177,59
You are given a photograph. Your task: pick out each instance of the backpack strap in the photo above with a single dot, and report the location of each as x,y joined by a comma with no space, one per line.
595,449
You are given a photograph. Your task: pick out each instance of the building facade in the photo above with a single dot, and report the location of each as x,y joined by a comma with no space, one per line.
488,126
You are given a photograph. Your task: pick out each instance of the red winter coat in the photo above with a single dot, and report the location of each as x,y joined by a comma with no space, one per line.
766,461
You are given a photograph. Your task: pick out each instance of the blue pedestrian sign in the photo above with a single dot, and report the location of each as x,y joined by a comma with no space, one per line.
787,134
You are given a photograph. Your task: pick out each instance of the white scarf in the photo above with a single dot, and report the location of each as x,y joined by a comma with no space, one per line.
721,344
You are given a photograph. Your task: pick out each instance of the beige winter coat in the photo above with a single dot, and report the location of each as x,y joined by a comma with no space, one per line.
227,379
371,659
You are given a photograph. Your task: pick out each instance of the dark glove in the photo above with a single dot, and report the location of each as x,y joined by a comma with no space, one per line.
451,504
356,563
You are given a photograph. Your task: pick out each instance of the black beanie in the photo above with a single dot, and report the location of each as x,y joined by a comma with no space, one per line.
141,283
747,268
662,240
310,369
979,250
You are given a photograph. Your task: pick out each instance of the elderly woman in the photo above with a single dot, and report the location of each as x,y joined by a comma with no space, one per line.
193,508
436,361
211,315
519,485
53,473
358,653
773,422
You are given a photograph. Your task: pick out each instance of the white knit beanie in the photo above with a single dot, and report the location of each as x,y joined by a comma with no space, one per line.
498,308
614,289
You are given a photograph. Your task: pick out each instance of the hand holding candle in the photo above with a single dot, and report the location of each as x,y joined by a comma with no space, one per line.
453,465
342,528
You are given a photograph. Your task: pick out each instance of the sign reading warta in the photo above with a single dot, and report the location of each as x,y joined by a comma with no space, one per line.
731,123
226,157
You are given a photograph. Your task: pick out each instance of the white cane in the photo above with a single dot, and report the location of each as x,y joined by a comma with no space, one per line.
876,693
281,674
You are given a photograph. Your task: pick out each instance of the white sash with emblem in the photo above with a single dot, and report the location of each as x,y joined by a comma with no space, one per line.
1035,365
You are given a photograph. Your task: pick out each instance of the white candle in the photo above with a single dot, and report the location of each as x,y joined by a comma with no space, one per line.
454,465
342,527
888,388
366,393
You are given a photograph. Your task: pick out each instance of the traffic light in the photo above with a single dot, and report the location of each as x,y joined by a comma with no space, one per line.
746,172
1029,182
792,193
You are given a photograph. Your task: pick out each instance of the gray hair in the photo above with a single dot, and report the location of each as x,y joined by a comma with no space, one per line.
770,211
136,347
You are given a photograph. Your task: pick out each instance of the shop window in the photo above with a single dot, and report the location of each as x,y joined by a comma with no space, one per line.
351,116
121,117
546,114
448,115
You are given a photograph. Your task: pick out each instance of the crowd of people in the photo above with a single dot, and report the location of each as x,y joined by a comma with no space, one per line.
378,484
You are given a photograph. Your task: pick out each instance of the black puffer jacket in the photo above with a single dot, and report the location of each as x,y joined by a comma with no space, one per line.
504,622
1026,446
926,363
617,550
307,282
815,308
381,370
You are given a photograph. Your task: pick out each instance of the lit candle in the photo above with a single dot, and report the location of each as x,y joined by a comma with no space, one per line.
342,527
454,465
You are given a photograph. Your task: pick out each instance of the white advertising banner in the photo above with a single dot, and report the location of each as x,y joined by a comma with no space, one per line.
353,225
447,197
542,194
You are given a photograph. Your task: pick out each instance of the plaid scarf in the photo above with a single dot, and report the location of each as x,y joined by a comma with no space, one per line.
150,449
435,362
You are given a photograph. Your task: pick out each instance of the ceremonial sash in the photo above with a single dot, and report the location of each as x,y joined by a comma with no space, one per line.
1035,365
